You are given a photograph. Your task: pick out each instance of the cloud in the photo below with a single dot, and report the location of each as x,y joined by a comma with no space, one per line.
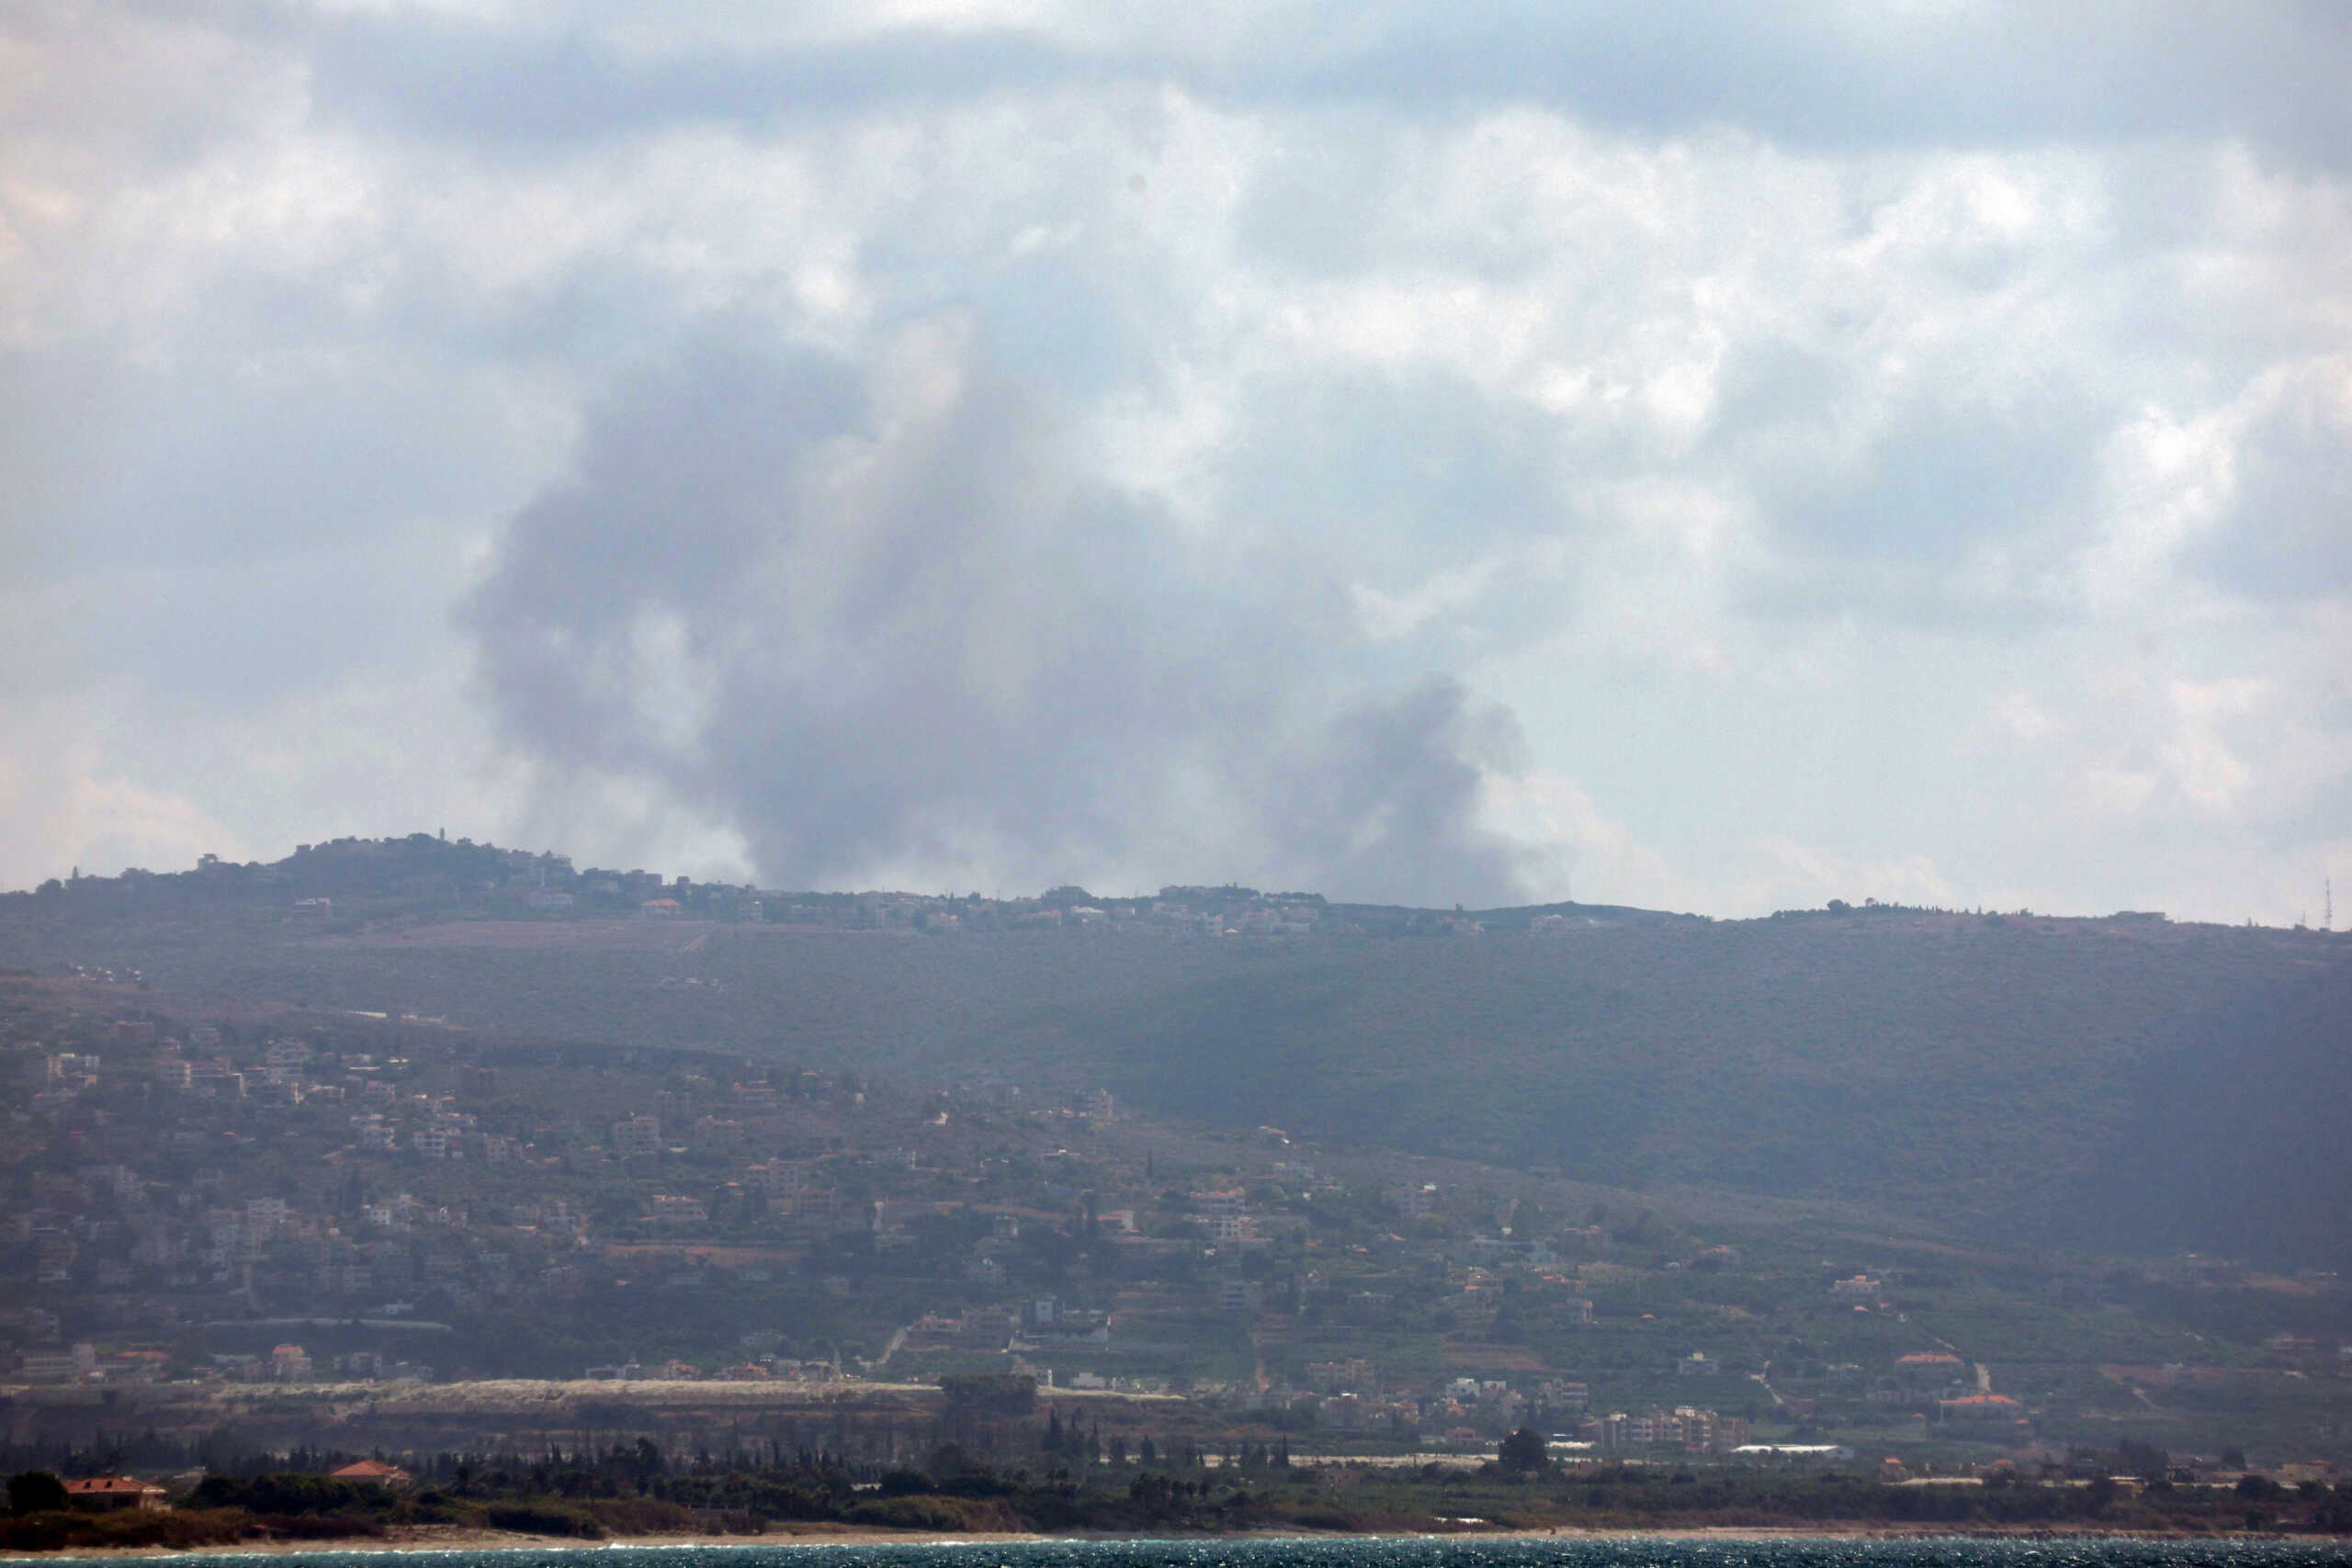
2286,532
62,808
1827,76
1572,850
1196,440
1806,875
2022,719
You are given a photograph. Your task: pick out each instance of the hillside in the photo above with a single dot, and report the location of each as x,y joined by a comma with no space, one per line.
2054,1081
2061,1082
214,1192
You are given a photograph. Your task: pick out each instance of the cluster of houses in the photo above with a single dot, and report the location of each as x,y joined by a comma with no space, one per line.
319,881
714,1176
550,886
1191,911
115,1494
179,1203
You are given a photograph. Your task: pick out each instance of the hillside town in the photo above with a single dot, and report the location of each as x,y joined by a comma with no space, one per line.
207,1197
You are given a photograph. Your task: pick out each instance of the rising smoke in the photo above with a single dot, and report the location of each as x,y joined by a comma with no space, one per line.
877,619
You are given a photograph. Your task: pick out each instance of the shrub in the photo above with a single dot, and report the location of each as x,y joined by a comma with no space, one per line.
289,1493
321,1526
537,1519
61,1531
995,1395
958,1514
641,1516
36,1492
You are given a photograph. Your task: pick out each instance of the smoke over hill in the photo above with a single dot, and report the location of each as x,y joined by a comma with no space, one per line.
877,619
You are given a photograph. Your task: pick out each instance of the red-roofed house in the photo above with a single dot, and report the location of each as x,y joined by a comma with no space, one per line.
372,1472
105,1494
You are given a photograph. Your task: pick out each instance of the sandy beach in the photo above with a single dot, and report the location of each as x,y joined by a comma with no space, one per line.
430,1539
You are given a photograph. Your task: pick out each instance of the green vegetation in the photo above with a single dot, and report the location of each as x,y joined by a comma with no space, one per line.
35,1492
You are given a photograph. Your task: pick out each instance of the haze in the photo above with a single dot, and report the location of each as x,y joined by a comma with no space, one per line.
1720,465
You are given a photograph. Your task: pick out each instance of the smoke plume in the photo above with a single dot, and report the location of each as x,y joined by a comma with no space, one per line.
877,619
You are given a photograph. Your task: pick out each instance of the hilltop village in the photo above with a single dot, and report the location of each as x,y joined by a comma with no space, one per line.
380,878
432,1208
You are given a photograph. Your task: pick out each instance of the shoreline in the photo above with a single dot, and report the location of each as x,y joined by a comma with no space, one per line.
431,1539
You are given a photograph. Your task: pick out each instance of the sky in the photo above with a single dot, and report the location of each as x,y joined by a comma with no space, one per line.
1717,458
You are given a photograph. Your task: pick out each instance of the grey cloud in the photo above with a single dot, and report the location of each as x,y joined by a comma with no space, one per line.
874,616
475,83
1051,320
208,465
1408,470
2288,531
1816,77
146,83
226,526
1314,203
1882,500
51,404
2317,818
1893,596
1813,75
1935,480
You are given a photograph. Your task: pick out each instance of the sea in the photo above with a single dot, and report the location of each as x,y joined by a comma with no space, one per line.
1363,1552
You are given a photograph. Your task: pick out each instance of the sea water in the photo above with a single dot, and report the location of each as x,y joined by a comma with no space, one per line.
1362,1552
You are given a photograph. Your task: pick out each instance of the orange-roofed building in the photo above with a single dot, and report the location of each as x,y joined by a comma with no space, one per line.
372,1472
106,1493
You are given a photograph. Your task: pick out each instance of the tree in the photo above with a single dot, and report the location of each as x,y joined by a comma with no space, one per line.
988,1395
1525,1453
36,1492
